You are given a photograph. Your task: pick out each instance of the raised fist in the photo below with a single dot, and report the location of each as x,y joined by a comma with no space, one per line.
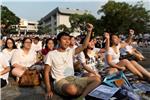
131,31
89,27
106,34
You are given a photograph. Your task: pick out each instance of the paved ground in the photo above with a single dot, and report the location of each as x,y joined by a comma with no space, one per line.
13,92
146,52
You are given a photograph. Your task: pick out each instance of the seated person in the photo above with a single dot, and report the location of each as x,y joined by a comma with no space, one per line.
36,44
24,58
131,53
9,48
59,64
89,59
113,63
79,60
49,46
4,70
76,63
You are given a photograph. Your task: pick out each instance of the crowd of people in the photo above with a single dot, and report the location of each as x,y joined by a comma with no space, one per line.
60,58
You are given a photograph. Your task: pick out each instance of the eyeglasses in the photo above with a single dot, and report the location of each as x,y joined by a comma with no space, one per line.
28,42
9,43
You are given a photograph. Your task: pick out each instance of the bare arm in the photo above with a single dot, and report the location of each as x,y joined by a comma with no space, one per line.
47,70
138,54
107,41
6,70
19,66
131,33
129,39
109,61
88,69
123,45
87,39
137,51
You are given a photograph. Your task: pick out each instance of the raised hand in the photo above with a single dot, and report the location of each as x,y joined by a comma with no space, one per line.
107,36
48,95
89,27
131,32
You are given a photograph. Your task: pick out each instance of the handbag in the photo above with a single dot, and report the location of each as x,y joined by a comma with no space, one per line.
30,77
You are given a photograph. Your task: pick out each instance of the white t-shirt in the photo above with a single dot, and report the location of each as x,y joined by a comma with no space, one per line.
78,57
96,50
146,36
27,60
134,44
91,62
3,63
37,47
115,56
123,37
123,51
75,56
61,63
18,44
8,53
129,48
81,57
140,35
126,50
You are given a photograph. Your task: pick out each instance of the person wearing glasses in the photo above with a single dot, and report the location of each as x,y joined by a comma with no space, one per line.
23,58
9,48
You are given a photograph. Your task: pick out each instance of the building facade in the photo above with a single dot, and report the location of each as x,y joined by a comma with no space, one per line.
57,17
26,26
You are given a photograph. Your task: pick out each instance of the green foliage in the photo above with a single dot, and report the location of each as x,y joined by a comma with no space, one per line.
63,27
120,16
8,18
79,21
43,30
117,17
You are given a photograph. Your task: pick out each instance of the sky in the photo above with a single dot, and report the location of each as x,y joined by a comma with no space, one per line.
34,10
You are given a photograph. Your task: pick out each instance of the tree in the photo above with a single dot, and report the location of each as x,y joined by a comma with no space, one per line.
120,16
78,22
43,30
63,27
8,18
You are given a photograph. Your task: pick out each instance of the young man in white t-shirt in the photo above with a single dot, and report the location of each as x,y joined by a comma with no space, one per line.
59,64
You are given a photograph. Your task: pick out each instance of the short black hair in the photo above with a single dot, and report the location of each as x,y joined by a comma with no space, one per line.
37,38
62,34
72,37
